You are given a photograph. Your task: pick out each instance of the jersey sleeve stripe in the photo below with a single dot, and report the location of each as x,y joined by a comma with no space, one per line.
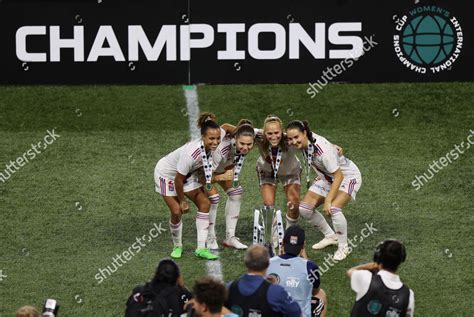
225,150
319,151
195,154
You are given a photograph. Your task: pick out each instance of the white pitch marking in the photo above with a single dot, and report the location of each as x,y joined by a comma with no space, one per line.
192,106
213,267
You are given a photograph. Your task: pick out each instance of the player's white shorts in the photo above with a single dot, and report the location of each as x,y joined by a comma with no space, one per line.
265,177
165,186
349,185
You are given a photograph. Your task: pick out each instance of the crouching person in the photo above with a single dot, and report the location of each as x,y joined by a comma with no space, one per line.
164,295
297,275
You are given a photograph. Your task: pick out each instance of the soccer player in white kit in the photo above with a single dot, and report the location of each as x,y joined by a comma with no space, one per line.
228,161
337,182
177,175
278,163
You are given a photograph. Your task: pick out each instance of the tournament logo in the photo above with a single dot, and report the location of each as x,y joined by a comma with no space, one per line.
428,39
374,306
171,186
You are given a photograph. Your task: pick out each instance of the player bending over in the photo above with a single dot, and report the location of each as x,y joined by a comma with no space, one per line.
177,175
337,182
278,164
228,161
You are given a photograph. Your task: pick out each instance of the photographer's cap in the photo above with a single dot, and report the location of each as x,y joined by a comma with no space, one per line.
293,240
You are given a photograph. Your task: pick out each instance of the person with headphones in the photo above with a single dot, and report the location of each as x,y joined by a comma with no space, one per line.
379,290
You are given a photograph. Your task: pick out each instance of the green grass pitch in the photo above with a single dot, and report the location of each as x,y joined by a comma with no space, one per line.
90,194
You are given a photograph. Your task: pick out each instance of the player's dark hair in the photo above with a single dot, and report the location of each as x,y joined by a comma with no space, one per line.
203,117
244,128
271,118
210,292
390,253
301,126
167,272
207,120
245,121
257,258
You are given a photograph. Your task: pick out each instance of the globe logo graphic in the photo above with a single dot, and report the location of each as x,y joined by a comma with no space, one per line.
428,39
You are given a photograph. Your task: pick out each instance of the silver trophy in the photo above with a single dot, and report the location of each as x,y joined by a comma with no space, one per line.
268,229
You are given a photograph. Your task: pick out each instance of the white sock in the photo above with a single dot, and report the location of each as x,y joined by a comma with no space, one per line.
321,223
202,227
232,210
214,199
290,221
316,219
340,225
177,233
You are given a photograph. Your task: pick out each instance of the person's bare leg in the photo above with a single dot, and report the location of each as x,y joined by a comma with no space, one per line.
292,192
176,225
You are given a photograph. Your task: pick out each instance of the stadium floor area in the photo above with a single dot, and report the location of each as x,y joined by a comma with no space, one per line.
89,194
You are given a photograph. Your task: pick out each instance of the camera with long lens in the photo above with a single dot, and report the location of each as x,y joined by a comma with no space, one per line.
50,308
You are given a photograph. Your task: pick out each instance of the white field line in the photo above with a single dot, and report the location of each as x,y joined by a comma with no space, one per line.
214,268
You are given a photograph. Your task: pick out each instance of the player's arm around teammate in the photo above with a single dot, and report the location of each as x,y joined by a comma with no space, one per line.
337,182
228,161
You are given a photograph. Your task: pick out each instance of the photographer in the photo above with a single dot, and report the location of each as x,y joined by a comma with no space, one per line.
164,295
379,289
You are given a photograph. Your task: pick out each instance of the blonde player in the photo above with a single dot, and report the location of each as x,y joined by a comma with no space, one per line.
337,182
278,164
228,161
176,176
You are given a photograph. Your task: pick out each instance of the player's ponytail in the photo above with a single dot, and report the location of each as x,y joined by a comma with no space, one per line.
207,120
301,126
309,133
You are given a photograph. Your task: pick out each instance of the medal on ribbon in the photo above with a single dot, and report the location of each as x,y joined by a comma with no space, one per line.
309,160
238,164
275,163
207,166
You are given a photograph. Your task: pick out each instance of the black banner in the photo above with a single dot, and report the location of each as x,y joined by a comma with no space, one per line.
183,42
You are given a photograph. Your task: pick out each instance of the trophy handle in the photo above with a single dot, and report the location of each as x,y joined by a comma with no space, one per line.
258,227
279,229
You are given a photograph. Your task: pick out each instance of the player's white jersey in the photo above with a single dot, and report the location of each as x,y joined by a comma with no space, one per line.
326,160
223,156
223,135
184,160
289,164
